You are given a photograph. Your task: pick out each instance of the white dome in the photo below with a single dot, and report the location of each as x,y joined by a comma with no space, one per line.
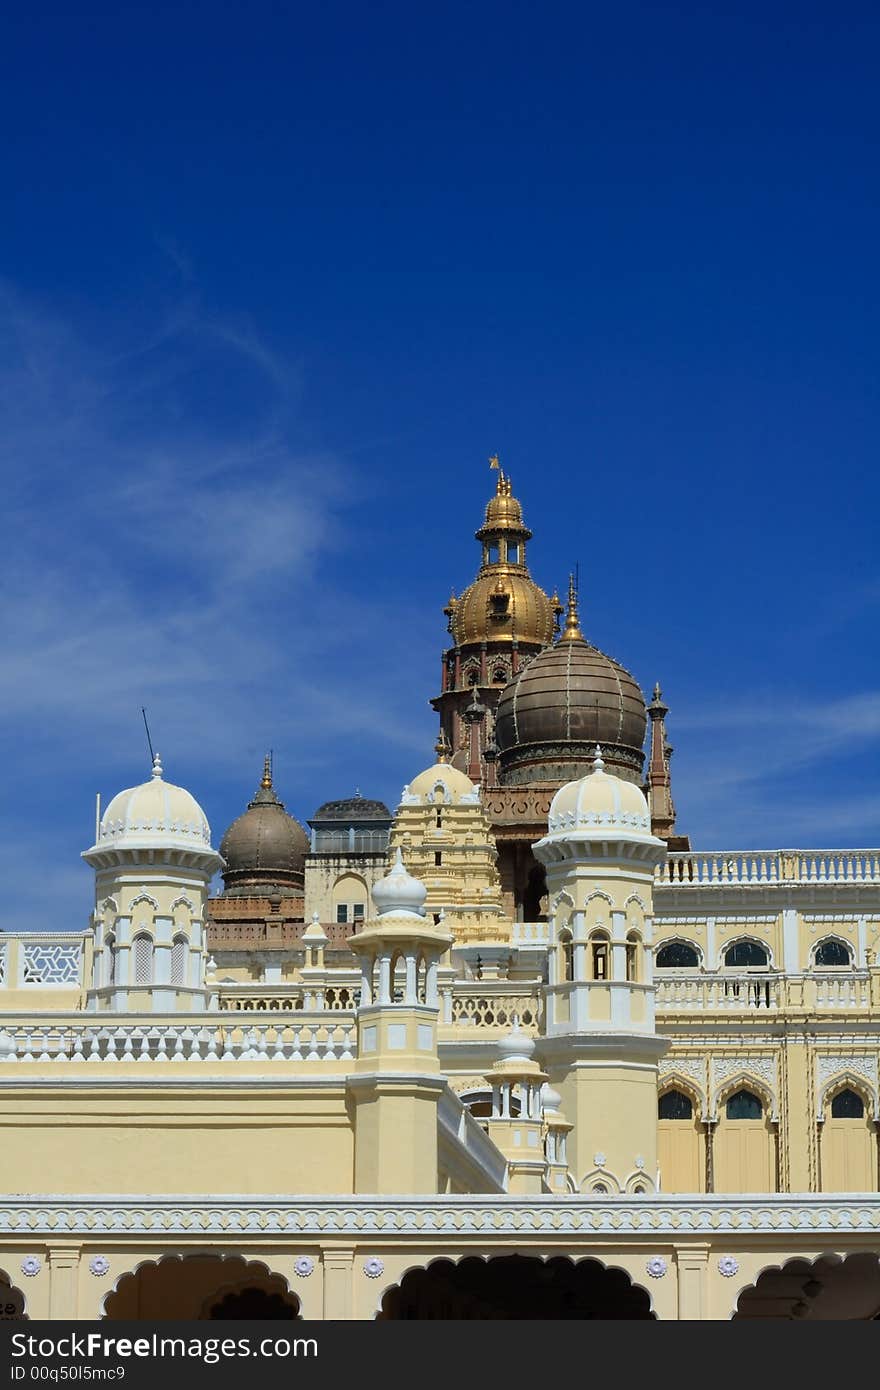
550,1099
441,784
399,892
155,813
599,801
515,1046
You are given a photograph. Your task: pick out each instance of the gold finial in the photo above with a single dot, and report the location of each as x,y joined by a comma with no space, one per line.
441,747
267,772
572,631
494,461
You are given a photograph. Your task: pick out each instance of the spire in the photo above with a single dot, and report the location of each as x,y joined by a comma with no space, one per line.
267,772
441,747
157,767
598,761
659,780
572,631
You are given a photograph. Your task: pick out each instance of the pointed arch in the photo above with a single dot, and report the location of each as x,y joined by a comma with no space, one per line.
599,1182
751,946
677,1081
746,1080
142,896
847,1080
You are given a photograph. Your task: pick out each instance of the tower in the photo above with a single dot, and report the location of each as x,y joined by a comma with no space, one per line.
153,862
600,1047
500,621
396,1083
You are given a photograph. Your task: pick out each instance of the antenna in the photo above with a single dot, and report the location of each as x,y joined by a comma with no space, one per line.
577,579
149,740
97,817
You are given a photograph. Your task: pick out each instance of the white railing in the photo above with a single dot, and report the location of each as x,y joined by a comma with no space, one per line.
262,998
680,992
78,1042
475,1007
718,867
530,934
730,992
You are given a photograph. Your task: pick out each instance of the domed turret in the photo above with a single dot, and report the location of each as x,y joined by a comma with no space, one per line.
154,813
399,893
570,697
598,804
265,849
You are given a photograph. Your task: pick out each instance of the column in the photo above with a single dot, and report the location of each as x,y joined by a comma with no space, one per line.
63,1281
338,1278
693,1283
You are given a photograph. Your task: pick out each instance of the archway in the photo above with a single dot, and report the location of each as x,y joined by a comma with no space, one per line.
200,1287
514,1287
12,1305
830,1288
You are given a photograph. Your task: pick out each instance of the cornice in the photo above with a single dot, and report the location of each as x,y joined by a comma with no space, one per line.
467,1218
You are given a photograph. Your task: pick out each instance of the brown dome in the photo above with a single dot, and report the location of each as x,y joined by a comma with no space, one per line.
565,701
265,848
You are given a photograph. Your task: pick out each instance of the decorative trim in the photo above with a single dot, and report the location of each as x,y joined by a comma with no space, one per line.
464,1217
30,1266
656,1267
373,1267
304,1266
728,1266
99,1265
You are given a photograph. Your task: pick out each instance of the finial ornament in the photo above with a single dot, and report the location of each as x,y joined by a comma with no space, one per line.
658,693
267,771
441,747
157,766
494,461
572,630
598,763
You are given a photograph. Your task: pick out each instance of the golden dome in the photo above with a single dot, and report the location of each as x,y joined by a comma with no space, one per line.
504,604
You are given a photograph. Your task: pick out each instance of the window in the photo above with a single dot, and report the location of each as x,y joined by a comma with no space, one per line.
566,946
746,953
833,952
675,1105
492,553
438,858
632,957
847,1105
499,676
358,911
342,912
744,1106
439,820
677,955
142,950
110,960
179,953
513,552
600,958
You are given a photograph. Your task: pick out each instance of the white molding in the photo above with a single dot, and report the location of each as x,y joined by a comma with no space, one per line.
469,1219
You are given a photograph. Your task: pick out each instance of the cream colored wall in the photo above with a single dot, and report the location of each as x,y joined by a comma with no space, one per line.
206,1138
322,872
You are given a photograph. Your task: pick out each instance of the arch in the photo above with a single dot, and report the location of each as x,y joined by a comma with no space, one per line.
109,970
753,954
478,1101
566,956
639,902
633,943
109,905
183,900
142,896
13,1304
348,894
677,1081
744,1105
142,958
188,1286
847,1105
562,897
745,1081
513,1287
605,897
445,795
846,1080
638,1183
600,1182
829,1286
834,952
673,1104
678,954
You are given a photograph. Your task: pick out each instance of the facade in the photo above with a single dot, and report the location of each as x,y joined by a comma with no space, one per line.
513,1051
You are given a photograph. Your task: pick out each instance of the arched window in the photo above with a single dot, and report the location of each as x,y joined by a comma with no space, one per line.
677,955
633,941
599,950
833,952
744,1105
110,960
142,951
847,1105
499,676
566,955
179,958
675,1105
746,953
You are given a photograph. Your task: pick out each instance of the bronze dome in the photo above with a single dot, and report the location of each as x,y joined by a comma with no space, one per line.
265,848
568,699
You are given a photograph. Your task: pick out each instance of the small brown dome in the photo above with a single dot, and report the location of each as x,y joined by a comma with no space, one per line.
567,700
265,848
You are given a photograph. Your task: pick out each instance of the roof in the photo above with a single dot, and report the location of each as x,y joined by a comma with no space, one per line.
353,810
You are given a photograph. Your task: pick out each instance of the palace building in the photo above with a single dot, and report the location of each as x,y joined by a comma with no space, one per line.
513,1049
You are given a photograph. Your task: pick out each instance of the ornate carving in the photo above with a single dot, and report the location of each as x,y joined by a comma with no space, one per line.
99,1265
30,1266
728,1266
304,1266
51,965
373,1267
656,1267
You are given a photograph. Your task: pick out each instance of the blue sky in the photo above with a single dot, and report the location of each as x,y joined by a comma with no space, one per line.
275,282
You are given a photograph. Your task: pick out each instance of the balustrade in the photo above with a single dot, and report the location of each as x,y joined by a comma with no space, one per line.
756,867
315,1040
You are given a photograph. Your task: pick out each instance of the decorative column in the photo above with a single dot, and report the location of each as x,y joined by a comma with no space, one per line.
63,1281
516,1077
338,1263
